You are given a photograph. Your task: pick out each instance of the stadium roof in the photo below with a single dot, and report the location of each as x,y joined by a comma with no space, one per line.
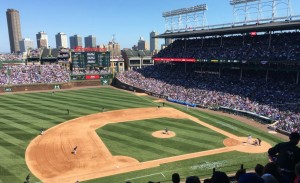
273,26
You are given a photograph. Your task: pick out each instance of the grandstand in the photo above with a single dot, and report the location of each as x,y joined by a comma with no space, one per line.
252,70
8,60
44,56
137,59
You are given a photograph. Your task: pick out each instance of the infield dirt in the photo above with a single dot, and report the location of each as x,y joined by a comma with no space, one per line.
49,156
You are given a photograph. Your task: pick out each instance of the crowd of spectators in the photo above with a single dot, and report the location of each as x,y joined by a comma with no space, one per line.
276,100
31,74
34,53
268,173
266,47
10,57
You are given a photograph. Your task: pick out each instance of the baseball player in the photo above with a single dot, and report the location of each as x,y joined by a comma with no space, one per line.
249,139
42,131
74,150
166,131
259,141
27,178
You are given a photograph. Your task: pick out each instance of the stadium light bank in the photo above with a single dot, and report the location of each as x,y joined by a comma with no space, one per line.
235,2
182,11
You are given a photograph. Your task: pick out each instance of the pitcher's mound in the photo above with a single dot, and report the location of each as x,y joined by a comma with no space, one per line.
162,134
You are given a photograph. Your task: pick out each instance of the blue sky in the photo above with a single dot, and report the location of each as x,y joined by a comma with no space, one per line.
128,20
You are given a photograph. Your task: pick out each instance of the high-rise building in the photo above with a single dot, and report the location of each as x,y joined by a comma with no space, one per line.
75,41
61,40
90,42
25,44
142,44
153,41
114,48
14,29
42,39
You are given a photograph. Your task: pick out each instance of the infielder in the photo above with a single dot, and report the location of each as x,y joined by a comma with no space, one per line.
74,150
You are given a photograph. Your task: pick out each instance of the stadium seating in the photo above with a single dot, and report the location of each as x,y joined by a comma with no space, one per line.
264,47
276,100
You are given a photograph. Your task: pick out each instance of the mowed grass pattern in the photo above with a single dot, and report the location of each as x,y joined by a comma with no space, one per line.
134,139
23,115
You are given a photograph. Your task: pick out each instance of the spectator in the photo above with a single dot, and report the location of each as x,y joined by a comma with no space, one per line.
219,177
268,178
297,172
192,179
286,155
250,178
175,178
272,168
239,173
259,169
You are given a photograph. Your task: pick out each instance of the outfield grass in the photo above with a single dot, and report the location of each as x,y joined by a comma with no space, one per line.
135,138
22,116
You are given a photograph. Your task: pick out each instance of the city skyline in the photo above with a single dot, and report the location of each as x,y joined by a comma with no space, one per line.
105,19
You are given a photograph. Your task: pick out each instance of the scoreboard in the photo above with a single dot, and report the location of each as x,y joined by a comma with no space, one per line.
90,59
77,60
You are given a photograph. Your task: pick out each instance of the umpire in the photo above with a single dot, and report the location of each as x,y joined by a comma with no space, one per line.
286,155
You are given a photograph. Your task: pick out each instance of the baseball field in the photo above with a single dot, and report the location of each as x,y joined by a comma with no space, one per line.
120,137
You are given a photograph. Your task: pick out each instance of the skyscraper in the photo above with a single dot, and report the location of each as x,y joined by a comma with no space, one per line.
75,41
142,44
90,42
25,44
61,40
114,49
153,41
14,29
42,39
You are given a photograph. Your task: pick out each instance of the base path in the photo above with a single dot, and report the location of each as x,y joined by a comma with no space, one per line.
50,158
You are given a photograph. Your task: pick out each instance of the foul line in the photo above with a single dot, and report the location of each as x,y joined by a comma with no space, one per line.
145,176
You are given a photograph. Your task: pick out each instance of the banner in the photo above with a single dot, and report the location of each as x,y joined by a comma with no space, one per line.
7,89
56,87
181,102
174,59
89,77
77,77
105,82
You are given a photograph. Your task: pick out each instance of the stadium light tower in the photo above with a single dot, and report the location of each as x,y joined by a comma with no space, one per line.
185,18
268,7
244,6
